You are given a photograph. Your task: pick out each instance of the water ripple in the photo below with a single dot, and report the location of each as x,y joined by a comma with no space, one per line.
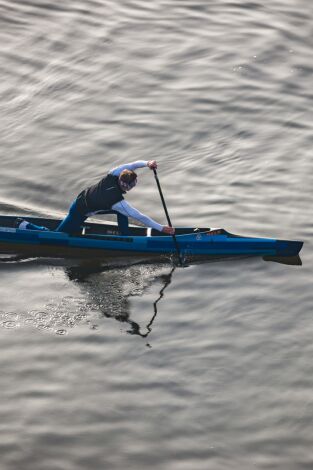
216,370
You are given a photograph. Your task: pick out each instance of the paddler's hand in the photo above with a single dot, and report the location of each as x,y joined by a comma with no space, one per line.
168,230
152,164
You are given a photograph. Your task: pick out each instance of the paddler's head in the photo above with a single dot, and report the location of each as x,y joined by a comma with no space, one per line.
127,180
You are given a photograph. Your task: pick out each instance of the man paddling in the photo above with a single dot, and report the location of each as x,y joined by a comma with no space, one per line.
107,195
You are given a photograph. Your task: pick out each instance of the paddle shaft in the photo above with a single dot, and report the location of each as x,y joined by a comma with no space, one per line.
167,215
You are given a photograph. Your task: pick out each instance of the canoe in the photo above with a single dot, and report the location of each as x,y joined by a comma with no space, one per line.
104,239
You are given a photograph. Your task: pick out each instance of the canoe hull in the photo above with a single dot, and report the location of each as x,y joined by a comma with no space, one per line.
101,240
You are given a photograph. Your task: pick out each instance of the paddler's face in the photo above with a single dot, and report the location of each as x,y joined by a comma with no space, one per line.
127,186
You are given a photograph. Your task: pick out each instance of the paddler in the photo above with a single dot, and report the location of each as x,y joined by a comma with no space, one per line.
107,195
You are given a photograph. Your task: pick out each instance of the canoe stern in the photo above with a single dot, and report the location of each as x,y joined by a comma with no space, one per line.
288,248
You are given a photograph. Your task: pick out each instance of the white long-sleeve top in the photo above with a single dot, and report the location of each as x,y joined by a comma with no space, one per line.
128,166
127,209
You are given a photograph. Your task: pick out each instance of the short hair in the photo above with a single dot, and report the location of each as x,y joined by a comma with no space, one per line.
128,176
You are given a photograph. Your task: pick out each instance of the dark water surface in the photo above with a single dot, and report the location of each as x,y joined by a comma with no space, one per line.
141,366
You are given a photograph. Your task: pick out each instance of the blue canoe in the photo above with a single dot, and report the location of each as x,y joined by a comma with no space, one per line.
104,239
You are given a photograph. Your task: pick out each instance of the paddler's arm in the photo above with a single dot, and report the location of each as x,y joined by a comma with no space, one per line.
133,166
126,209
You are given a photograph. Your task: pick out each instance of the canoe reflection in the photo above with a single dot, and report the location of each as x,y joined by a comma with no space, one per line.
109,290
288,260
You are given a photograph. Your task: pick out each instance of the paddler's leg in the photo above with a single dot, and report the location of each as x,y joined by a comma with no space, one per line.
122,222
73,221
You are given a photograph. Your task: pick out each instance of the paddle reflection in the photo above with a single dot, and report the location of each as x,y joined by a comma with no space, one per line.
109,290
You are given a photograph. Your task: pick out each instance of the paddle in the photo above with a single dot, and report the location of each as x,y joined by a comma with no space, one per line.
167,216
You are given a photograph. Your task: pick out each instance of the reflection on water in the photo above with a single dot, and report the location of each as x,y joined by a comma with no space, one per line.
109,290
96,290
167,279
288,260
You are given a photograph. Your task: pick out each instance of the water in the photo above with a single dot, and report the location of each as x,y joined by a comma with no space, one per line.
138,365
